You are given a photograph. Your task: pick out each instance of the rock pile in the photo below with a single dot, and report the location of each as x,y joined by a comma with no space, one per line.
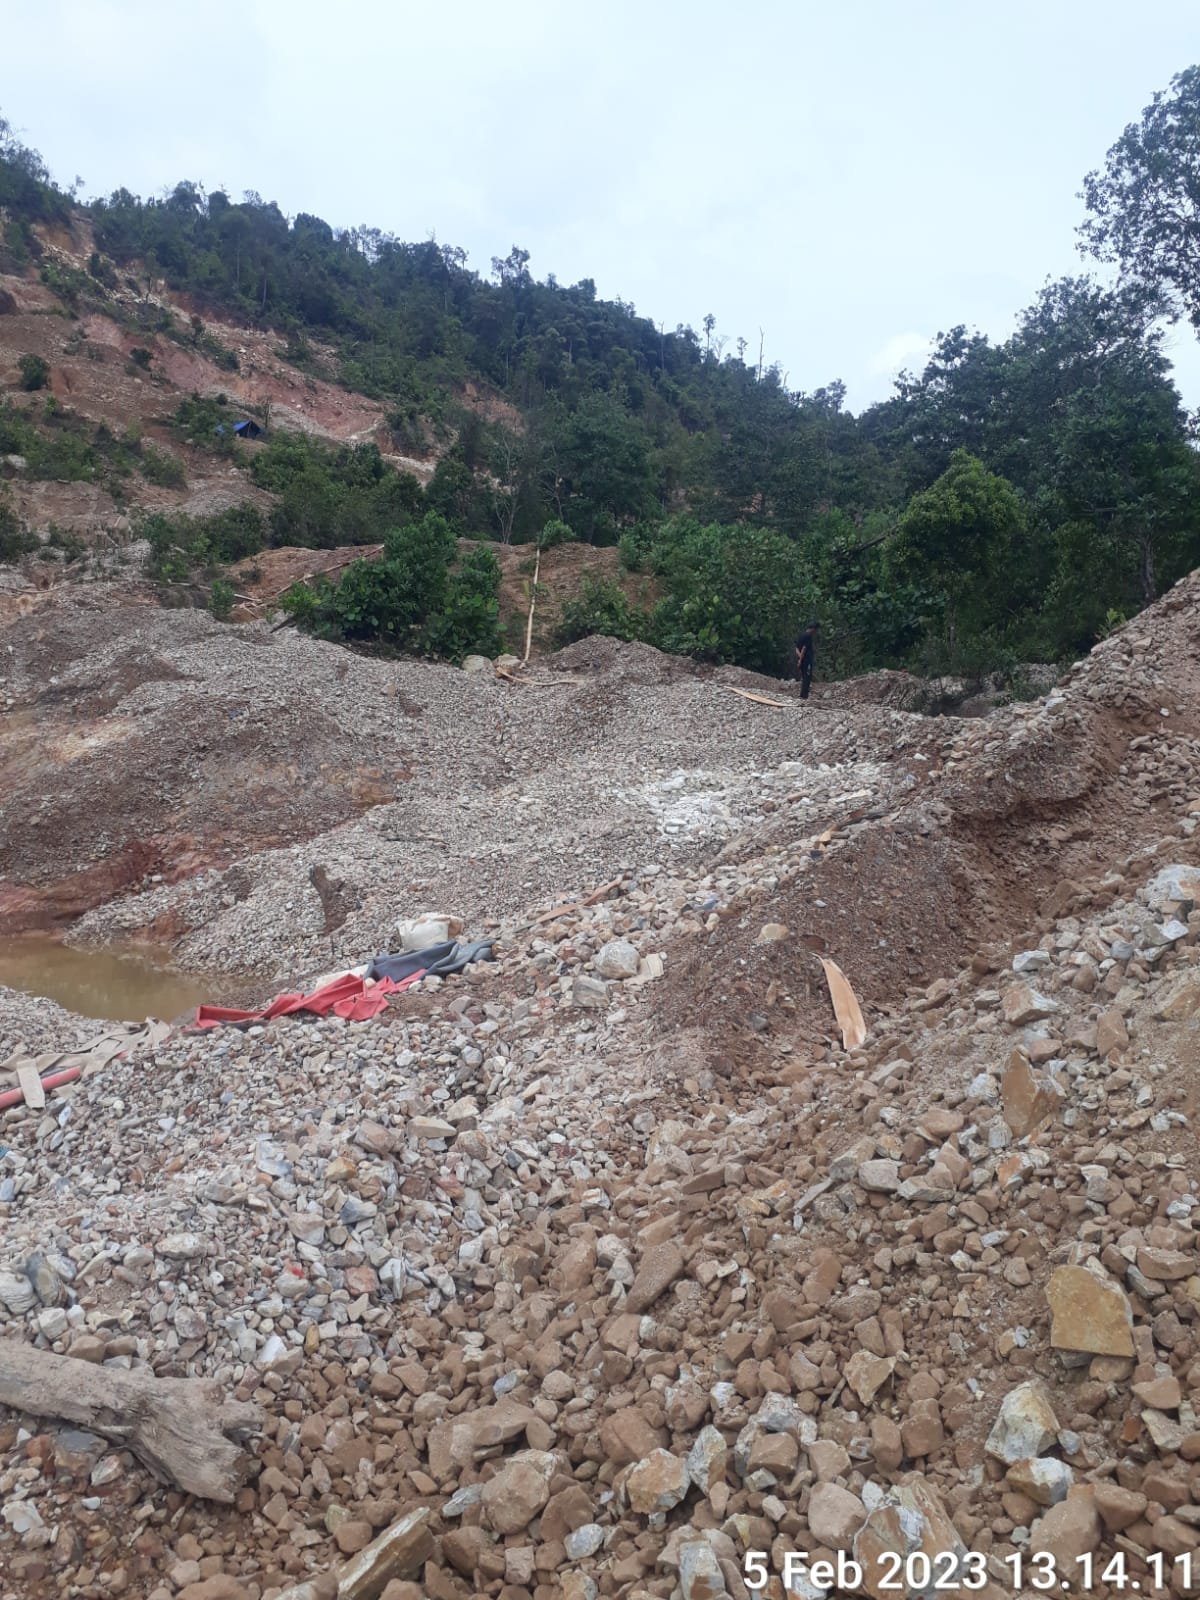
570,1276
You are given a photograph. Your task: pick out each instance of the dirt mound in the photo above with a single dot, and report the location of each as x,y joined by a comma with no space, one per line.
604,1265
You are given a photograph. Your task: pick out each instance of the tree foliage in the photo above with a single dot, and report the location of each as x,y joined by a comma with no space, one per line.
1005,503
1144,203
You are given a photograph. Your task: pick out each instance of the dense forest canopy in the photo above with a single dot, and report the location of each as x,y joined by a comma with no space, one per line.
1011,501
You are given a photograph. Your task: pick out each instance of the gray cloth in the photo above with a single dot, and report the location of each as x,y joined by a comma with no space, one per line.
435,961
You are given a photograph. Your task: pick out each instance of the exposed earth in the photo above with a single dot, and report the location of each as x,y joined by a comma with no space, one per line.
595,1268
615,1265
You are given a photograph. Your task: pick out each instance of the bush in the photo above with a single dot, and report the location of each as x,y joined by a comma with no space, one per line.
733,594
600,607
180,544
15,541
555,533
141,357
162,469
410,599
331,496
35,372
469,620
220,599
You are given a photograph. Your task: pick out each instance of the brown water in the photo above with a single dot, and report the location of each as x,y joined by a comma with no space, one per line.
115,985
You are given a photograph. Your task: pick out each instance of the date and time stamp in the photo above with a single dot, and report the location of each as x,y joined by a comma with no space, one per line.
968,1572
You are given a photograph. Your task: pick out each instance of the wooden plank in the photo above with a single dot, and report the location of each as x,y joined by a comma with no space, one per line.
759,699
845,1005
31,1085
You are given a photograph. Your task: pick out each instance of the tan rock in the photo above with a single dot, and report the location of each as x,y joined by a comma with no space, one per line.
775,1452
1173,1536
1069,1530
835,1515
911,1519
564,1512
218,1588
1167,1266
887,1446
574,1267
804,1373
519,1490
657,1483
399,1552
866,1374
828,1459
922,1430
1111,1033
1161,1394
1181,1001
1089,1313
577,1586
1119,1508
454,1443
627,1436
462,1548
658,1269
1029,1098
823,1278
1045,1480
1023,1004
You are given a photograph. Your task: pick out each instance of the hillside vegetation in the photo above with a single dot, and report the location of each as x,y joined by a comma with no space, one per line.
1012,501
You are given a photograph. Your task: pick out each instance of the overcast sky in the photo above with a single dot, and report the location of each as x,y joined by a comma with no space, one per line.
851,176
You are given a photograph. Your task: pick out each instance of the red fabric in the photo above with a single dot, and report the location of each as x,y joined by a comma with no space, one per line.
346,996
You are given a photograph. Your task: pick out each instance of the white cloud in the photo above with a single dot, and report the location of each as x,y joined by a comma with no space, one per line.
901,350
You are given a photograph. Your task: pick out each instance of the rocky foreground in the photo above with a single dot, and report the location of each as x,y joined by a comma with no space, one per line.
606,1270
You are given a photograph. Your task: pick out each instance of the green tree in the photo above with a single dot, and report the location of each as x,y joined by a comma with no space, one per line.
957,539
1144,204
35,372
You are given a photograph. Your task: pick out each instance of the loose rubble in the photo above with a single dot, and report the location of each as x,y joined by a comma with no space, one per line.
598,1267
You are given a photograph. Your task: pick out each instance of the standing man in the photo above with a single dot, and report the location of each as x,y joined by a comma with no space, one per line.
806,646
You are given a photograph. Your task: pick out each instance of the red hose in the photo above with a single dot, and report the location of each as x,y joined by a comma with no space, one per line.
15,1097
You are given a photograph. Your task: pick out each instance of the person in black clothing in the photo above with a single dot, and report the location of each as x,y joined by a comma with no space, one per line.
806,646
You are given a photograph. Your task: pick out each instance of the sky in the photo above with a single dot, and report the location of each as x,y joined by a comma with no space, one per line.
850,178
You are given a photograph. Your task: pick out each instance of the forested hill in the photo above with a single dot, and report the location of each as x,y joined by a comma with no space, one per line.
1011,501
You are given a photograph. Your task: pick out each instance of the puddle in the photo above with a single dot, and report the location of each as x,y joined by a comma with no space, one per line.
116,986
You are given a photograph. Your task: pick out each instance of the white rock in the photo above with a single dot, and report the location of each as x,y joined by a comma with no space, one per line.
16,1293
617,959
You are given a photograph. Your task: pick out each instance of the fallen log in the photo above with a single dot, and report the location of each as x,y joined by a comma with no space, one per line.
176,1426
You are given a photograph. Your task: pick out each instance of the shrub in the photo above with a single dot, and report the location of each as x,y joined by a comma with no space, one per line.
410,599
555,533
600,607
15,541
469,620
333,496
141,357
35,372
161,468
180,544
220,599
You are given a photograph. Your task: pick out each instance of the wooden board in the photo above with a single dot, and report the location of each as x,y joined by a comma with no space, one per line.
845,1005
31,1085
759,699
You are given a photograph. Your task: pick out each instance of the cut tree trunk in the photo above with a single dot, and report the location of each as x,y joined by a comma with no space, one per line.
177,1427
